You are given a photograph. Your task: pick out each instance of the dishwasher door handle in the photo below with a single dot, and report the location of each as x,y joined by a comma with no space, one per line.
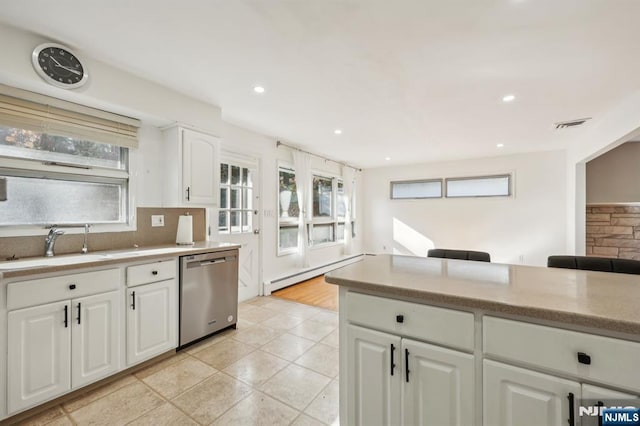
213,262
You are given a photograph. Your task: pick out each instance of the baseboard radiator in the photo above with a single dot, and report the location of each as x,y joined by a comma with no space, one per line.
277,284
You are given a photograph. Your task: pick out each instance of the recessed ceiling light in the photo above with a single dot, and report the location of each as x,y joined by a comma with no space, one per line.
500,145
387,158
508,98
258,89
337,131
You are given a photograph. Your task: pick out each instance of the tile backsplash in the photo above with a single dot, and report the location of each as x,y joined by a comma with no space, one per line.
145,235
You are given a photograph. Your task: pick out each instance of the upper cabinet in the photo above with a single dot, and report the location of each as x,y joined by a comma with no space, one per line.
192,164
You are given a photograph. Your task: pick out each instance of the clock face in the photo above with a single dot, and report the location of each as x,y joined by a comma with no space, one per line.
59,66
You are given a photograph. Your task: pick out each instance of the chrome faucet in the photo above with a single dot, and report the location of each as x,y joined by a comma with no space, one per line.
49,242
85,249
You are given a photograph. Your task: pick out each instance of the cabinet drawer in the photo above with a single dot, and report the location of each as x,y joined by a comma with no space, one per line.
429,323
151,272
612,361
46,290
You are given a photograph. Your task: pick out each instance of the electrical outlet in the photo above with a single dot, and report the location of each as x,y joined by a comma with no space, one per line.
157,220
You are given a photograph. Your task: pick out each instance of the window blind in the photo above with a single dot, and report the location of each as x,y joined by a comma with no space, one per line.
77,121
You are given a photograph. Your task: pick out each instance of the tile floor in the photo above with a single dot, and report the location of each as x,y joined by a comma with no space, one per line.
280,367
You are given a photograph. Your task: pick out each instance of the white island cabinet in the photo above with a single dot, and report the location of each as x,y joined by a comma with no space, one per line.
452,342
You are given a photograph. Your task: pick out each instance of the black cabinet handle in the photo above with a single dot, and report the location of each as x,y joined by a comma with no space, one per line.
188,193
406,364
79,312
400,318
600,404
572,419
133,296
72,286
584,358
66,316
154,272
393,365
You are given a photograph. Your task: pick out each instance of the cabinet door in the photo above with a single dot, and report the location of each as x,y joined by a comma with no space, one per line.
438,387
200,168
519,397
151,320
593,397
95,337
39,354
373,385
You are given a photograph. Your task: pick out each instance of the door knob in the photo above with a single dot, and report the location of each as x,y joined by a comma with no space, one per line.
256,231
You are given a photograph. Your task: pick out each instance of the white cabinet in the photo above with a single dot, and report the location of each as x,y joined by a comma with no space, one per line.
152,310
39,354
61,346
393,380
151,320
520,397
192,168
95,337
373,384
438,385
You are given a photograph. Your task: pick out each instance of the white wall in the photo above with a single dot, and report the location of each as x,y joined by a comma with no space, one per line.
614,177
156,106
619,124
530,224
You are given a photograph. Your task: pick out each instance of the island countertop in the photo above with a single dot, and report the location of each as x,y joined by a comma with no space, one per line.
600,300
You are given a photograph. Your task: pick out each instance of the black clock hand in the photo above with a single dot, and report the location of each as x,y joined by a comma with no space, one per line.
58,64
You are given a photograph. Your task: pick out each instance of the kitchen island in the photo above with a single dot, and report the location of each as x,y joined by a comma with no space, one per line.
441,341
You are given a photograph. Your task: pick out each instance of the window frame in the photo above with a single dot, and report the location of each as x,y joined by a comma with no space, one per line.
509,177
252,168
284,222
439,180
334,220
35,168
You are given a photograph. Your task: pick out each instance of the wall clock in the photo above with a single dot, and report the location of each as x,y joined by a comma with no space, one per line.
59,66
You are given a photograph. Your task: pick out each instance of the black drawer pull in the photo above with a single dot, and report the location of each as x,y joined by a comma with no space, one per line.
72,286
584,358
400,318
133,296
393,365
66,316
154,272
79,312
406,365
572,418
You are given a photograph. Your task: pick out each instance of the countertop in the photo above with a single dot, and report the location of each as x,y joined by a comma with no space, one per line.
69,262
606,301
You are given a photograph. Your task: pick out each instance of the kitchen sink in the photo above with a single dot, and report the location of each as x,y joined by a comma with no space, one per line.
52,261
84,258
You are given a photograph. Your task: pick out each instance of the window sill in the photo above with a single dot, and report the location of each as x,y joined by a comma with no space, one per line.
326,245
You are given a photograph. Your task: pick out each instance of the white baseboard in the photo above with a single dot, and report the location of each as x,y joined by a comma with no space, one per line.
278,283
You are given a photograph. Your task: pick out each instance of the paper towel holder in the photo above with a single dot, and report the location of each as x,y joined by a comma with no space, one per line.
184,234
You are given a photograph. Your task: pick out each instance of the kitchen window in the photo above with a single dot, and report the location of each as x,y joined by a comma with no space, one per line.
289,211
63,166
236,199
328,206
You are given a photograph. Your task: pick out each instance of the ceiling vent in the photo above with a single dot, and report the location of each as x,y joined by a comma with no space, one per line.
571,123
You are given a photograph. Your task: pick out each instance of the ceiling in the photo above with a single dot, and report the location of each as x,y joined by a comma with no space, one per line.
413,80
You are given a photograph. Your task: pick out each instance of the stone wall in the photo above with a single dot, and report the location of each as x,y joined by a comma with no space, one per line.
613,231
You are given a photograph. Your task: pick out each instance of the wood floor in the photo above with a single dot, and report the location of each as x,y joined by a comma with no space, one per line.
314,292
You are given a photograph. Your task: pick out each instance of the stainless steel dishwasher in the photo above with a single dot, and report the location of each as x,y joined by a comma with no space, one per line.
208,294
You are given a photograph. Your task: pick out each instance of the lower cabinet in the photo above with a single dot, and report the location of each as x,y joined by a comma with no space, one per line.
394,380
519,397
55,347
151,320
